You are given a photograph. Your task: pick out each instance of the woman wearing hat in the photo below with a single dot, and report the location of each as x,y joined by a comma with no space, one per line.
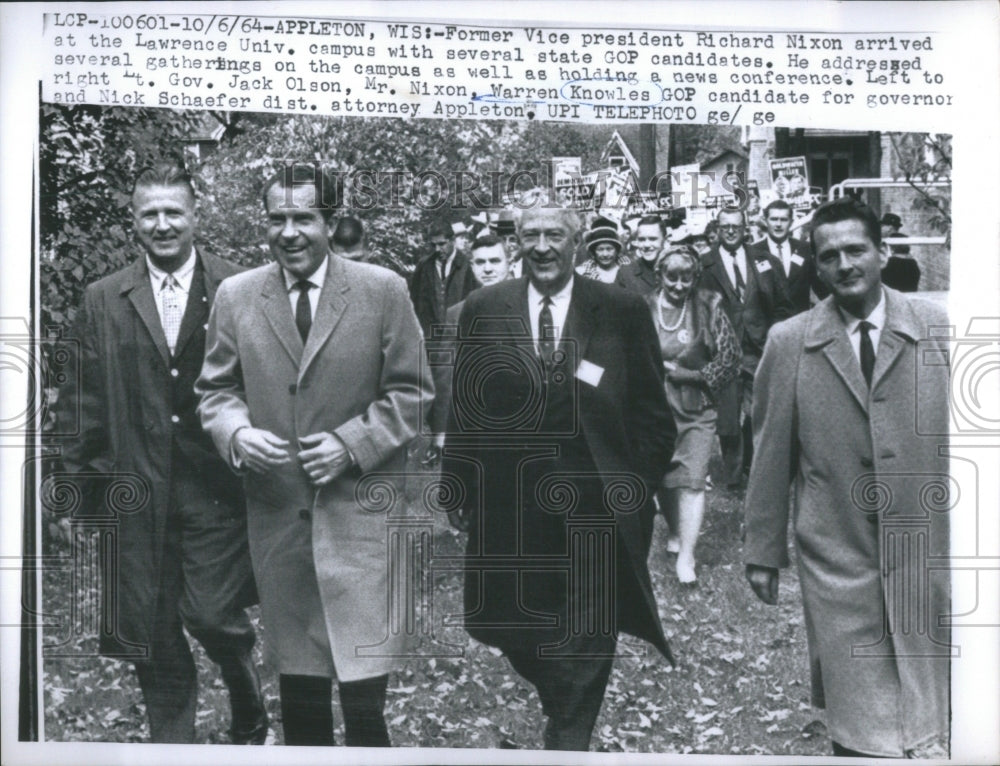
605,250
700,356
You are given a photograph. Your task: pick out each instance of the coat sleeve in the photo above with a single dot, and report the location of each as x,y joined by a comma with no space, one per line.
405,387
648,421
775,441
223,406
83,396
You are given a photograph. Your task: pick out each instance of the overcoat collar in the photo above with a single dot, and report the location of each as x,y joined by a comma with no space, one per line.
826,332
136,286
717,270
278,310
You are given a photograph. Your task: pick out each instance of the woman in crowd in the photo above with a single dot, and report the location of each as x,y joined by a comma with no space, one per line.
605,251
700,356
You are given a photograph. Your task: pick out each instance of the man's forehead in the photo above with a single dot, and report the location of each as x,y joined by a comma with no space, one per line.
550,217
297,197
148,194
736,218
494,253
780,214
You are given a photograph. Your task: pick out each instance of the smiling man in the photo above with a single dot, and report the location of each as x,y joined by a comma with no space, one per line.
183,561
842,389
798,271
558,432
314,374
640,276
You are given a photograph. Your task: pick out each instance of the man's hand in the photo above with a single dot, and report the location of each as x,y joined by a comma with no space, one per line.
260,450
764,581
324,457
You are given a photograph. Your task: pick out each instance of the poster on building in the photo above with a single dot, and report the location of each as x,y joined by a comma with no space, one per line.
790,181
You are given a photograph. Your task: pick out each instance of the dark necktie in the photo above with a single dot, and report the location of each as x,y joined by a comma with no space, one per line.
546,333
867,351
741,286
303,311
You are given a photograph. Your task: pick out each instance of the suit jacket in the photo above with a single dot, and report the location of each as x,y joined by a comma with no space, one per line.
135,407
870,469
638,277
426,289
801,277
619,420
763,304
320,555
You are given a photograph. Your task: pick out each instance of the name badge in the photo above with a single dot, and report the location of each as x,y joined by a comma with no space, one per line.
589,373
763,266
797,259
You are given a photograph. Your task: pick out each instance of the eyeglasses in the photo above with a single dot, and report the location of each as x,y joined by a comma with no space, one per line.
731,227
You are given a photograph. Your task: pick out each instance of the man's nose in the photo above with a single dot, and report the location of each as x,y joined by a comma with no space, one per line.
161,221
288,231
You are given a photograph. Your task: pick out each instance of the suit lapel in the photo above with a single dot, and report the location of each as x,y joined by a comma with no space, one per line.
332,302
901,328
196,310
278,312
581,319
140,293
721,276
826,331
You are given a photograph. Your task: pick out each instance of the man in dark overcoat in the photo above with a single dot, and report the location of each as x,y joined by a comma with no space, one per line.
182,558
559,430
753,299
798,272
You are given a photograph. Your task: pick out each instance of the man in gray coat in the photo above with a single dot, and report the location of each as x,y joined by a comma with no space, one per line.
314,375
182,558
853,399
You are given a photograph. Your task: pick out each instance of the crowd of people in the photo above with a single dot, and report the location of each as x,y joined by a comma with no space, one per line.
592,368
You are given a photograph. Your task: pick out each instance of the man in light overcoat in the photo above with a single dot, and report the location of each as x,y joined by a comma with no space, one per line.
314,375
853,410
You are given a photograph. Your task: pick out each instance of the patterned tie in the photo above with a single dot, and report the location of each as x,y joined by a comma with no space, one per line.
546,334
867,351
172,311
303,311
741,286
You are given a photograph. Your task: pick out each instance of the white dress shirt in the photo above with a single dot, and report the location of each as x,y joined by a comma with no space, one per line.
740,257
183,276
782,251
559,309
852,326
317,278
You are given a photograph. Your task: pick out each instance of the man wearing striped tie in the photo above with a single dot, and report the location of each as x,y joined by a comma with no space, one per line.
182,556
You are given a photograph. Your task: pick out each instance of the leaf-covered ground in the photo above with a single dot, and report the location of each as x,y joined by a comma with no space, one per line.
741,685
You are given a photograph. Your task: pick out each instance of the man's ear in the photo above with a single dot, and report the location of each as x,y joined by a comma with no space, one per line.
331,226
883,254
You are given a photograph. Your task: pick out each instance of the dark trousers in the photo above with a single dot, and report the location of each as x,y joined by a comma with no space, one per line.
205,582
307,714
571,690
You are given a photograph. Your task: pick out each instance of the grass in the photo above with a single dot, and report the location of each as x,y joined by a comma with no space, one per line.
741,685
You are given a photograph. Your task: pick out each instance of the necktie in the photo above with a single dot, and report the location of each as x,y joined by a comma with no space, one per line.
867,351
741,286
170,297
303,311
546,333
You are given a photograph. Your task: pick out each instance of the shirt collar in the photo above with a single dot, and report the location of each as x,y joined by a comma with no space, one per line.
876,319
183,275
318,277
737,253
563,296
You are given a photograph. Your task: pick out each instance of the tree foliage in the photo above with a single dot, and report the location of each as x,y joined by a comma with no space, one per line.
87,158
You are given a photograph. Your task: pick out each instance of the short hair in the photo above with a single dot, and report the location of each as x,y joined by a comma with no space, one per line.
328,186
489,240
711,226
778,204
349,232
687,251
568,215
733,211
652,220
439,229
164,174
846,209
